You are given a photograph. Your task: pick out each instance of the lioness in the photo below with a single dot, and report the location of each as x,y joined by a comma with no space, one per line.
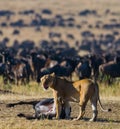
80,91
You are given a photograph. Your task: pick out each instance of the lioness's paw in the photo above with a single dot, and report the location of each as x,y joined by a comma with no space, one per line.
92,120
75,119
55,118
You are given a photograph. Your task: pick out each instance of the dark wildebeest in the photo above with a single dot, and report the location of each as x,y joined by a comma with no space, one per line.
5,72
111,70
20,70
65,68
83,69
95,61
38,62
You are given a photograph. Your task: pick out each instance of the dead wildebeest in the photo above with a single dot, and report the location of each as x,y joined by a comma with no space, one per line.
43,109
47,109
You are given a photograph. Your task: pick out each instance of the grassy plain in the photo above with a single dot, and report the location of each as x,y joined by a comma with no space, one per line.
9,115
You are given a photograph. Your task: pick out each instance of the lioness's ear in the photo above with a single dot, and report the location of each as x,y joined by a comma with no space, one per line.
52,74
41,79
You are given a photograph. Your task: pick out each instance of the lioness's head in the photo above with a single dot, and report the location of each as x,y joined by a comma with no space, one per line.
47,80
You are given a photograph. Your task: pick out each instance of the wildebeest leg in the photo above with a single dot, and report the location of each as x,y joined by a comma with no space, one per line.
34,102
28,117
28,79
67,109
23,81
110,80
101,76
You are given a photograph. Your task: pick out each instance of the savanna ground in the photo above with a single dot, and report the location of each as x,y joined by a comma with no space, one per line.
110,95
33,92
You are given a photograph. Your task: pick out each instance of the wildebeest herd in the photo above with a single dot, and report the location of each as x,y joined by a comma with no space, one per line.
24,61
31,64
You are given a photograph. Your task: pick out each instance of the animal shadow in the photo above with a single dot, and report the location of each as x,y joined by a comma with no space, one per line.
103,120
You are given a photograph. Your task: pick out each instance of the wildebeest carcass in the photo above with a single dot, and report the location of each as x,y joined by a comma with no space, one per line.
47,108
44,108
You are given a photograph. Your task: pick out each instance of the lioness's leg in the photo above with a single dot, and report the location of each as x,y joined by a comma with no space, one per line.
94,108
82,105
81,113
58,108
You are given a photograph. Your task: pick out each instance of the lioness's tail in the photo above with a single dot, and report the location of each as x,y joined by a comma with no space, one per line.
100,104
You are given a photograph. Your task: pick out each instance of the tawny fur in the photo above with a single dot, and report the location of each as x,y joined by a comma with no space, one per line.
80,91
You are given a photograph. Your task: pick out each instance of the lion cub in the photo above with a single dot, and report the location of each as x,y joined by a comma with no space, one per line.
80,92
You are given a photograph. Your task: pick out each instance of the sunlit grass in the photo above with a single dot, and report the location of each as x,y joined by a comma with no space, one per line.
31,90
110,91
34,90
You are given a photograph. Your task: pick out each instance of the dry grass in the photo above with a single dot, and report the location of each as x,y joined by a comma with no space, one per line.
10,120
34,90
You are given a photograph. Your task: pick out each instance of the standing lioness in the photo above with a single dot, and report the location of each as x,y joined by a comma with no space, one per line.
80,91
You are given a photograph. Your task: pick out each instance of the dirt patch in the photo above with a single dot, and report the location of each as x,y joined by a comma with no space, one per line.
12,115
